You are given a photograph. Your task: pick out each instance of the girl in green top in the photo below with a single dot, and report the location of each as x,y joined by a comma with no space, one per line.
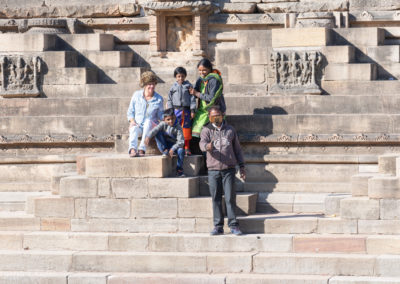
208,89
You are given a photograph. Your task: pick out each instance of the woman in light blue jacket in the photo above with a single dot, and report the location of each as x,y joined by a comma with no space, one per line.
144,112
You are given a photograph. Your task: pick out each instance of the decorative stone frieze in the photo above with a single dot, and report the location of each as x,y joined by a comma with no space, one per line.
20,76
296,72
151,8
315,19
55,139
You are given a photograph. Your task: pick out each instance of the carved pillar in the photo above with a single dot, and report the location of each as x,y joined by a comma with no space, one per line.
200,32
154,30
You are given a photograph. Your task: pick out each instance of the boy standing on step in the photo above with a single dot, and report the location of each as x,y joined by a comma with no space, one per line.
221,143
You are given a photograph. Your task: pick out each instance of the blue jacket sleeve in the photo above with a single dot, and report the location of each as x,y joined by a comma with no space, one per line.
131,109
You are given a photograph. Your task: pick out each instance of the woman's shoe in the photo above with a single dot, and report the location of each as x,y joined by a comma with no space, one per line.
133,153
142,153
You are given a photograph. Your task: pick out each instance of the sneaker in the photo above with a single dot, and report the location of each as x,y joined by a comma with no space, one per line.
179,173
187,152
236,231
217,231
142,153
165,153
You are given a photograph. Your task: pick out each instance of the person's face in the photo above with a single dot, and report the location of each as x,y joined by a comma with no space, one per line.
180,78
215,117
150,87
203,71
170,120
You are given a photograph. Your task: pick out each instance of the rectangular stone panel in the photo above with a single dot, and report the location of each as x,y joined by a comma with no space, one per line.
304,37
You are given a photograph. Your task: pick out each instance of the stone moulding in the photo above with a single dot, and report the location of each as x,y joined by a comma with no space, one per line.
20,76
248,19
374,16
181,6
296,72
56,140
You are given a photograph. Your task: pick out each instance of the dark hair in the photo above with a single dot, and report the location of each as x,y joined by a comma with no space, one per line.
180,70
169,112
205,63
214,108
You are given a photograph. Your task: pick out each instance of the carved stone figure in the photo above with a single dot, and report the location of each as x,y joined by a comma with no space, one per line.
179,33
20,76
296,73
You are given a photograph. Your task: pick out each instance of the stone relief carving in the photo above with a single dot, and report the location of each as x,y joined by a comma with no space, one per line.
315,19
296,72
179,33
20,76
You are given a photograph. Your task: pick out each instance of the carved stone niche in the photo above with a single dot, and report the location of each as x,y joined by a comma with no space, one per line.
180,26
315,19
20,76
296,72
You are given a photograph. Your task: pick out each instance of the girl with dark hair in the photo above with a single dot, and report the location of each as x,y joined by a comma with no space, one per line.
208,89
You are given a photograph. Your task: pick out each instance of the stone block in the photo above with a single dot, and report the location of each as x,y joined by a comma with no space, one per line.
339,53
128,242
124,167
139,262
367,88
55,224
64,91
11,241
165,278
70,76
332,204
389,209
387,164
187,225
195,207
130,187
35,261
106,90
276,279
384,187
14,222
336,226
260,55
54,207
304,37
303,6
101,225
108,208
55,182
80,208
229,263
154,208
101,59
329,244
383,244
173,187
386,265
330,264
275,202
258,38
350,72
238,8
192,165
246,74
246,203
359,37
78,186
362,279
109,75
232,56
88,278
52,241
387,227
388,53
33,277
103,187
300,225
84,42
27,42
309,202
359,208
59,59
359,184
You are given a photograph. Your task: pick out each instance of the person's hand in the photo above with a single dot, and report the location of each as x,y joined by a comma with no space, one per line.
209,147
147,141
132,123
192,115
191,90
242,173
171,153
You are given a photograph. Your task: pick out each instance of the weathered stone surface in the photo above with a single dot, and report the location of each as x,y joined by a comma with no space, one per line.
130,187
73,11
173,187
108,208
304,6
85,42
232,56
387,227
80,207
88,278
11,241
228,263
374,5
384,187
245,8
54,207
27,43
259,39
339,54
128,242
386,265
154,208
359,184
301,37
389,209
359,208
246,74
78,186
336,226
165,278
55,224
13,222
276,279
332,203
329,244
36,277
359,37
350,72
124,167
195,207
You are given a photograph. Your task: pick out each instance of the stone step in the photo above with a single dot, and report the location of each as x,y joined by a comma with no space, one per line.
300,172
70,76
360,208
84,42
27,42
121,90
304,37
24,186
350,72
12,206
19,221
291,202
359,37
384,187
101,59
319,123
17,196
299,187
56,59
379,54
117,75
363,279
388,71
367,88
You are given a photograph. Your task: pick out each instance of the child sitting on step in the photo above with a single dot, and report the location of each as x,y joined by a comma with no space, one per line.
169,138
183,104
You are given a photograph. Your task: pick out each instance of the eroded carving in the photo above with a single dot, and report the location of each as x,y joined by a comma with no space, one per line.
20,76
179,33
296,72
285,138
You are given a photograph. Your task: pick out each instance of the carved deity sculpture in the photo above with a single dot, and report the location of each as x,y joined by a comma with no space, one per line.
179,33
296,73
20,76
